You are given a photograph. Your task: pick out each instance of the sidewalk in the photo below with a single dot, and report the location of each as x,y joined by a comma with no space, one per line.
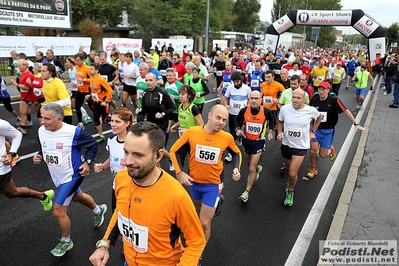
368,207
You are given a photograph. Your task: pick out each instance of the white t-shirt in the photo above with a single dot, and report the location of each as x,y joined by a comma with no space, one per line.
297,125
130,70
292,72
7,130
116,156
238,98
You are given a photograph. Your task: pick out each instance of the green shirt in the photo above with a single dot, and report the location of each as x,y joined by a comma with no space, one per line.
198,89
286,97
362,79
173,89
187,78
141,87
186,117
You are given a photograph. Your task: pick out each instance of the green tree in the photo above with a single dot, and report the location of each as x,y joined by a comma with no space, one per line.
247,15
393,33
105,13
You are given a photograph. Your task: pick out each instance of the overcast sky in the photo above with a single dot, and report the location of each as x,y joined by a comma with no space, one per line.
385,12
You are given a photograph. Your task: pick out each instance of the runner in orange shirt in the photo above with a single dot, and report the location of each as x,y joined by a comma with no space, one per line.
271,90
82,76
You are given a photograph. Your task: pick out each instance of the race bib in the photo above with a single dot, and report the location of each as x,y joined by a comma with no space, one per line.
253,128
320,78
323,116
53,158
218,73
105,77
37,91
226,84
180,131
206,154
238,104
294,133
94,97
163,72
267,99
277,71
136,235
254,83
79,84
337,76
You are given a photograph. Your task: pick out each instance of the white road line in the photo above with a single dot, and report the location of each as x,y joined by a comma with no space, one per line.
302,243
26,156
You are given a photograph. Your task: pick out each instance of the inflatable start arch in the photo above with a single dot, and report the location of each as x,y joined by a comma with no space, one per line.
363,23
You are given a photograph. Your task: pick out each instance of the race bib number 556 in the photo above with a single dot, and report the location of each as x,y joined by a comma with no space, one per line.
206,154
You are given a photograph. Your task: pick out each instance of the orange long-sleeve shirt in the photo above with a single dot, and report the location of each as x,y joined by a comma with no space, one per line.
269,93
151,219
84,73
100,89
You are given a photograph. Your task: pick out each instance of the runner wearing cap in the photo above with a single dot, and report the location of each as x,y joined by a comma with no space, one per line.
336,76
329,107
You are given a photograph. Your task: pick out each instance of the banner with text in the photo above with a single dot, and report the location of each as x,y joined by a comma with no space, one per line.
177,44
324,18
124,45
30,45
54,14
221,43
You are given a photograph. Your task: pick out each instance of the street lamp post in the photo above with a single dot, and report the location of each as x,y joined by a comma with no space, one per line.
304,29
207,28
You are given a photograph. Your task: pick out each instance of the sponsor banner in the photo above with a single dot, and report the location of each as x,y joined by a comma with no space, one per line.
30,45
177,44
221,43
358,252
324,18
271,41
283,24
366,26
124,45
54,14
376,46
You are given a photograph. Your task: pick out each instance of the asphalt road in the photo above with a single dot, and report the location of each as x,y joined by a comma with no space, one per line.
260,232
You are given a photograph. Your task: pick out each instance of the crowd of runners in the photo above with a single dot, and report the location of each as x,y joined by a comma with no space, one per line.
290,96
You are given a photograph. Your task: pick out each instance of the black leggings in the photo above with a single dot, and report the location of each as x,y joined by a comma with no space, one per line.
7,104
99,111
80,98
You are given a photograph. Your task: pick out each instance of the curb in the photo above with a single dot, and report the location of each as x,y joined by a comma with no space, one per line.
15,98
341,211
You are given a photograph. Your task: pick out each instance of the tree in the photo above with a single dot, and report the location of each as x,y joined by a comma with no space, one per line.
105,13
247,15
90,28
393,33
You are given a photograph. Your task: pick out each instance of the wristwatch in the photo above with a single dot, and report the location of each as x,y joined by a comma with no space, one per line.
13,154
163,114
88,161
355,124
313,131
102,243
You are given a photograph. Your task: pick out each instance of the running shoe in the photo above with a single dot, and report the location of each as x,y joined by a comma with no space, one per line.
99,218
258,169
119,93
221,200
289,198
199,261
171,167
100,139
332,155
286,188
282,168
244,196
312,173
22,130
15,160
358,107
228,158
18,122
29,123
62,248
48,202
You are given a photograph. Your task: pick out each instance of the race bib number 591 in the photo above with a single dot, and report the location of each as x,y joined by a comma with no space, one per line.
134,234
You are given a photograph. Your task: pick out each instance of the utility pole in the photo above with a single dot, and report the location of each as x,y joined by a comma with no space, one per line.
207,28
304,29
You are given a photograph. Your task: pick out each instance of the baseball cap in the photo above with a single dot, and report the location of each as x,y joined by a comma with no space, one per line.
324,84
152,48
339,63
363,66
